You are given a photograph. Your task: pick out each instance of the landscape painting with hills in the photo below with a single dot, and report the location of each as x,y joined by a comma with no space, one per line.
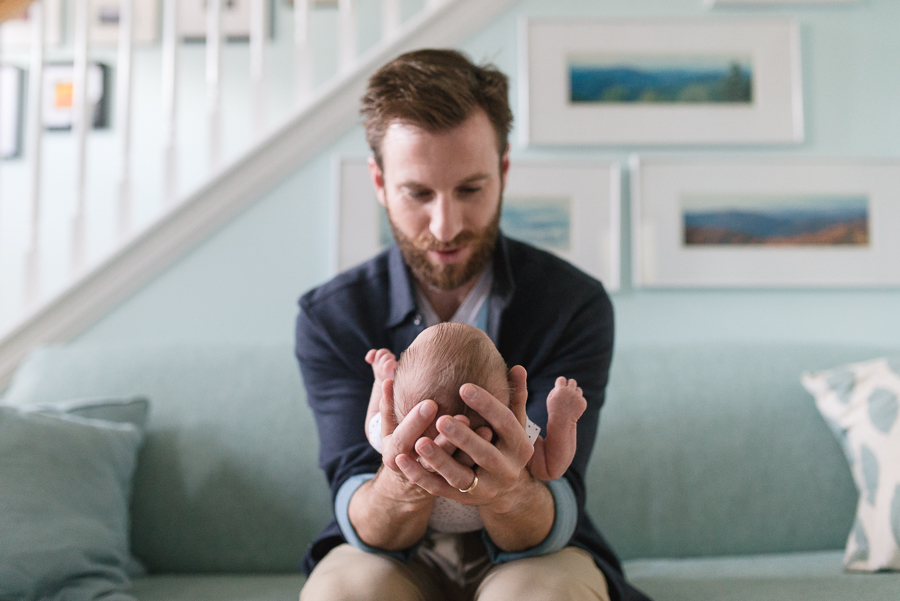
776,220
662,79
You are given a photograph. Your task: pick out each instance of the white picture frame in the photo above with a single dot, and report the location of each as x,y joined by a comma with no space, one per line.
16,34
625,82
573,207
770,222
12,81
57,100
235,20
104,26
715,3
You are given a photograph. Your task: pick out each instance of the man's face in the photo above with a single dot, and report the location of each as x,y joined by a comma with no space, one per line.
442,193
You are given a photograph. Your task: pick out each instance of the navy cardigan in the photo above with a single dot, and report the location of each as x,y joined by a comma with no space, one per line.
544,314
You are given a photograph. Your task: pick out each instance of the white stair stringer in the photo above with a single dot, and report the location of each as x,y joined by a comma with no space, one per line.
331,112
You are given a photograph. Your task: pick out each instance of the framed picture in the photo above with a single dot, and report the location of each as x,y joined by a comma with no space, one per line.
773,222
59,84
104,26
571,209
15,34
677,81
235,19
11,96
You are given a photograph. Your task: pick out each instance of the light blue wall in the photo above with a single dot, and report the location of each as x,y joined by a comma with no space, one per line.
243,282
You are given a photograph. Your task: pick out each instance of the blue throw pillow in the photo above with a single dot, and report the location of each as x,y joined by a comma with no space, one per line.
65,486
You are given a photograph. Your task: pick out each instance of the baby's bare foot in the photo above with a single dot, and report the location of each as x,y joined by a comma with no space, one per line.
384,364
566,401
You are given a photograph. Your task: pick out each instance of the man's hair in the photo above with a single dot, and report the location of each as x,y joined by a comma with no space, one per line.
436,367
436,90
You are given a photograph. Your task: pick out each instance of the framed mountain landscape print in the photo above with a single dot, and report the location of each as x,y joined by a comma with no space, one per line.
672,82
774,222
571,209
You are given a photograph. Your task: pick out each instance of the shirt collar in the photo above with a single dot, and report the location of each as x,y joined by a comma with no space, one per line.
402,295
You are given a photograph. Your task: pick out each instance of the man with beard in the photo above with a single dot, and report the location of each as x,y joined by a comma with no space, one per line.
438,127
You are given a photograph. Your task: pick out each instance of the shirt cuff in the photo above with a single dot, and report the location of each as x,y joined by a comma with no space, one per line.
564,522
342,514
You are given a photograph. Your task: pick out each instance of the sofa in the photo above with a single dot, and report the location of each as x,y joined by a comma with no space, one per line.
713,475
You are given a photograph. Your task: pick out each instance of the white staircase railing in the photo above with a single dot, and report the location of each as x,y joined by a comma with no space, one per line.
40,264
53,302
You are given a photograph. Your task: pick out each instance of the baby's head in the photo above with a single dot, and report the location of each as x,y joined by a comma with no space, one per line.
436,365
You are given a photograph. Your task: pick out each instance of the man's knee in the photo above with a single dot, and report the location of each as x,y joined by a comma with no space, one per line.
348,574
570,574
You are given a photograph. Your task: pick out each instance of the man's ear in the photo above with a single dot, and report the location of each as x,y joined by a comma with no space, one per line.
504,168
377,180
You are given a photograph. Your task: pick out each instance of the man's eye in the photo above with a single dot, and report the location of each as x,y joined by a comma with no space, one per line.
469,190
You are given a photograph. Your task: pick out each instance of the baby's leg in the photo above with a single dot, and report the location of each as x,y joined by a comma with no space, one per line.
384,364
552,456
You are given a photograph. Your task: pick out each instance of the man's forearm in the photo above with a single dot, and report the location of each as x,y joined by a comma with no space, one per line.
390,514
523,519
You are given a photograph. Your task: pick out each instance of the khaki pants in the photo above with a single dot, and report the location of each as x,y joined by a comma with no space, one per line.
454,568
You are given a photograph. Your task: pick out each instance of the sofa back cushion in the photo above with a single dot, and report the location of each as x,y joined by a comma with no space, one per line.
227,479
702,450
710,450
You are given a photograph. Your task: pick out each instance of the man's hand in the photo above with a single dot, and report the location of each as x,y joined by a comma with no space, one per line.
517,510
389,512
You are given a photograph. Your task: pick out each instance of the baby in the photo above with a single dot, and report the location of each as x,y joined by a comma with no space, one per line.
443,358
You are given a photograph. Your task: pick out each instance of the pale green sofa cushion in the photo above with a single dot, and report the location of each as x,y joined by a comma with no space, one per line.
788,577
65,484
717,450
227,480
219,587
861,404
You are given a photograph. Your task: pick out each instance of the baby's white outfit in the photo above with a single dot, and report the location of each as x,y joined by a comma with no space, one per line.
448,515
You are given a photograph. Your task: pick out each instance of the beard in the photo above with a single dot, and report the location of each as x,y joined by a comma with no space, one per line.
448,277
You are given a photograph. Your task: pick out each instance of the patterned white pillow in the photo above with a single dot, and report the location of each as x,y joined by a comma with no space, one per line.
861,404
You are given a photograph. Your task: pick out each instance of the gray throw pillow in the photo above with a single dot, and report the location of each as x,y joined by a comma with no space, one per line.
65,486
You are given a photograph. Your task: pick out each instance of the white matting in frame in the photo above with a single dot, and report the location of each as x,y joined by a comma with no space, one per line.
17,33
765,222
235,19
104,25
569,208
661,82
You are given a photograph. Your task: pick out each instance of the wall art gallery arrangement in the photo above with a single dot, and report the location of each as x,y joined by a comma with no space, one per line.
696,220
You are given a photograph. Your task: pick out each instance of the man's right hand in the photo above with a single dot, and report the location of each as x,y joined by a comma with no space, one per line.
389,512
399,440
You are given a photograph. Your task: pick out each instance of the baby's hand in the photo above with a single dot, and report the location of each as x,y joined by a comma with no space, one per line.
565,402
383,363
552,456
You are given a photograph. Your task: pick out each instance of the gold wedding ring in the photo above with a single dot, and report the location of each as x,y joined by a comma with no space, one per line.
471,488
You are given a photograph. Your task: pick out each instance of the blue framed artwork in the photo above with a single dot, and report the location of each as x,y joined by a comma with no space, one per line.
672,82
765,222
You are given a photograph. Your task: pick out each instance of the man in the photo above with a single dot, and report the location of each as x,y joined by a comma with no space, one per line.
438,127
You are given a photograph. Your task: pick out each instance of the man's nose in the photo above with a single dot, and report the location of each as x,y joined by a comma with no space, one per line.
446,219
